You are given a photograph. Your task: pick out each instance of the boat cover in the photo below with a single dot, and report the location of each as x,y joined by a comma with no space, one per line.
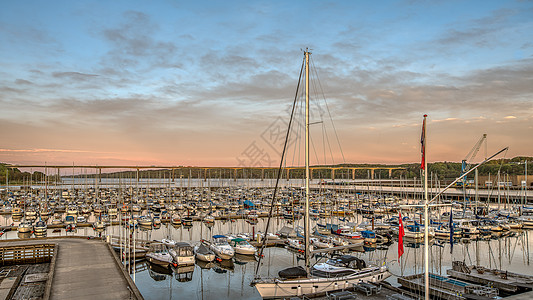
292,272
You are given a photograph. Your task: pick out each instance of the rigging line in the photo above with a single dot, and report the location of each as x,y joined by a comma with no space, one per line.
314,151
320,115
279,171
324,143
329,113
324,133
297,138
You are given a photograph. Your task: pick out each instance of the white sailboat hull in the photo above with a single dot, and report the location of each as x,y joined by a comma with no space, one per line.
276,288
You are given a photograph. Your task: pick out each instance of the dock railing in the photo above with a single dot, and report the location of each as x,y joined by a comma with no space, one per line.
39,253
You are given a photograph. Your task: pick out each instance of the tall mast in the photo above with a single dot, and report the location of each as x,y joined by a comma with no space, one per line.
426,217
306,220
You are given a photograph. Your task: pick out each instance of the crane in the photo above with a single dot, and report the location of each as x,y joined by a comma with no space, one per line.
465,165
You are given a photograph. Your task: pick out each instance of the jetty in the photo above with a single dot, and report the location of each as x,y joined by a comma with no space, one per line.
503,280
447,288
79,268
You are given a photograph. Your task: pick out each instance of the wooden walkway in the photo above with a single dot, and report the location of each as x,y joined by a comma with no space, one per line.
85,269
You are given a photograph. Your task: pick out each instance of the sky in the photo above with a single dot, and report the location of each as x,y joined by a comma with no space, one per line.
211,83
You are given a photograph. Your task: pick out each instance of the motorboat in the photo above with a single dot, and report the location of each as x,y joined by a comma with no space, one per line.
242,246
72,210
321,243
187,221
176,220
209,219
203,253
99,225
145,221
40,228
159,254
182,253
220,246
25,226
16,212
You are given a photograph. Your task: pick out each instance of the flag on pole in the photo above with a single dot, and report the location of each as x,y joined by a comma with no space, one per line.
423,142
400,240
451,231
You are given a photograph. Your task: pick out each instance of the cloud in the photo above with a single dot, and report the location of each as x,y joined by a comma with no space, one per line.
510,117
133,46
23,82
74,75
48,150
478,31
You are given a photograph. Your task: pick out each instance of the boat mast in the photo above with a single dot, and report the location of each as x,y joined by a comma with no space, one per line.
306,220
426,217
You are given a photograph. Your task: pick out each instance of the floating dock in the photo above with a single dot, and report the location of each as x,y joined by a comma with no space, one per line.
503,280
447,288
80,268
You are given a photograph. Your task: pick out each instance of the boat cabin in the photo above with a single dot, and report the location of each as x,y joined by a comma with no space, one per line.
347,261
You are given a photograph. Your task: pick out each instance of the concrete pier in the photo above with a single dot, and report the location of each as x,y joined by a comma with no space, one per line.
84,269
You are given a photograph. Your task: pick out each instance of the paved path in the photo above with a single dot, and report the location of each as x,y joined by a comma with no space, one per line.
85,269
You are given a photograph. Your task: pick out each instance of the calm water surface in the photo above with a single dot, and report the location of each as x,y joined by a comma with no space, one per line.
231,279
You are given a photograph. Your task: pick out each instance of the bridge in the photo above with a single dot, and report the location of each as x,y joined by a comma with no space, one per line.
206,170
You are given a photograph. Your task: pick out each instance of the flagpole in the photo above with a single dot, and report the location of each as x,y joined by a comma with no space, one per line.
426,216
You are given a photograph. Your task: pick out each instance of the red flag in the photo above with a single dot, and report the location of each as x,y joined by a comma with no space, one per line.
400,240
423,142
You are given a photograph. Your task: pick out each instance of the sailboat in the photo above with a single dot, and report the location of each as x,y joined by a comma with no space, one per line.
324,277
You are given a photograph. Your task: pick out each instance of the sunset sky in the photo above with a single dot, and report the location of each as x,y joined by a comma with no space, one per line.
208,83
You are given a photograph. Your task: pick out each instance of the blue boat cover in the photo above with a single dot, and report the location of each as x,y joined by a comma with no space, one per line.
249,203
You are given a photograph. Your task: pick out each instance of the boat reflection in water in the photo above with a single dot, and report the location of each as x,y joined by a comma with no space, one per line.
158,272
242,259
183,273
24,235
204,265
223,266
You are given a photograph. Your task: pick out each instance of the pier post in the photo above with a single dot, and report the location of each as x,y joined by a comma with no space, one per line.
371,173
288,174
262,174
390,173
333,174
99,174
353,174
172,175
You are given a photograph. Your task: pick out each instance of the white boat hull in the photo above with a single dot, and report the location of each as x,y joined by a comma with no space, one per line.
162,260
244,251
24,229
205,257
289,288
